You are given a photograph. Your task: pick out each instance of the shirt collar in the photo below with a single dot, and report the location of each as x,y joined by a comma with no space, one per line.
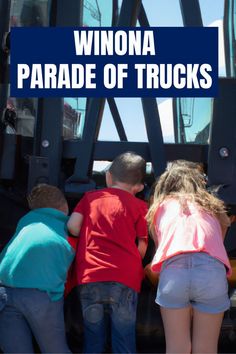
57,214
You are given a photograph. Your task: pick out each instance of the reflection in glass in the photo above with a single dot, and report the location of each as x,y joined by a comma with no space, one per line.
192,120
26,13
30,13
24,111
97,13
73,120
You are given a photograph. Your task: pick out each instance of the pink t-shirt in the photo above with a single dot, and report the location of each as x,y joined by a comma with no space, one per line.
186,229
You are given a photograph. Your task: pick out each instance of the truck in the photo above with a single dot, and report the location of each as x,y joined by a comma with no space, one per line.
60,141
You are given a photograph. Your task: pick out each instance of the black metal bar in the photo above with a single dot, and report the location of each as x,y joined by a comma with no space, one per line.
70,13
154,133
179,131
191,13
53,13
222,153
108,150
175,114
46,161
8,156
93,120
4,27
115,13
4,80
117,119
152,120
129,12
226,32
143,20
48,138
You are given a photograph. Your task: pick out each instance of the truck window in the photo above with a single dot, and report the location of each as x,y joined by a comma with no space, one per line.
192,120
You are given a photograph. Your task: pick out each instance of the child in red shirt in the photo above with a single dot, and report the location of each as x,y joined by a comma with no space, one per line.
112,242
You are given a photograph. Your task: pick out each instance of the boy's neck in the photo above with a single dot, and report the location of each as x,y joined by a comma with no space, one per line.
124,186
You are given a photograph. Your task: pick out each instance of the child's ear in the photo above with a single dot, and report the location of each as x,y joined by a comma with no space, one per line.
109,181
138,188
65,209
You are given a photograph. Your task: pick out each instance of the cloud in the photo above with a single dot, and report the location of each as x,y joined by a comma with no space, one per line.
166,117
221,49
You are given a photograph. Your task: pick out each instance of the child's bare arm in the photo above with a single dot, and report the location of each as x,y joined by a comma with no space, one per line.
142,246
225,222
232,218
74,223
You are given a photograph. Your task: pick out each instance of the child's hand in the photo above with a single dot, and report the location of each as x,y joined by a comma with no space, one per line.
232,218
142,246
153,277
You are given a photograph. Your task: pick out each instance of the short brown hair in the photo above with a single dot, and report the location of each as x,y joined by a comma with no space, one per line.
46,196
128,168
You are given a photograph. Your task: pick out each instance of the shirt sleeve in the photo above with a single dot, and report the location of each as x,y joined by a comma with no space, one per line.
72,241
141,224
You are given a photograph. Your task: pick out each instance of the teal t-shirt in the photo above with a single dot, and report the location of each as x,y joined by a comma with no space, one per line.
38,255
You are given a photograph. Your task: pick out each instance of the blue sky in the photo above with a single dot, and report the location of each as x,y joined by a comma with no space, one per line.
167,12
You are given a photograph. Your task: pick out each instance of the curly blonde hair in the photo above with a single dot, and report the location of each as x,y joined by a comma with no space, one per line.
184,180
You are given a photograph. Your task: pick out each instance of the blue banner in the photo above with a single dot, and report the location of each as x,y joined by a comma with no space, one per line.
114,62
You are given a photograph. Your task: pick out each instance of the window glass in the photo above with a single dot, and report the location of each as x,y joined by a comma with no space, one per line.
131,113
73,122
193,116
19,116
30,13
25,13
234,19
26,113
97,13
108,129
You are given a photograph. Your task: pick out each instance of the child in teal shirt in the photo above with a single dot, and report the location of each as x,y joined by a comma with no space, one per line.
33,269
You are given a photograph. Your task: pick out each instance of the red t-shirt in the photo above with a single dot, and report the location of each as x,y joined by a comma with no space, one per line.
106,251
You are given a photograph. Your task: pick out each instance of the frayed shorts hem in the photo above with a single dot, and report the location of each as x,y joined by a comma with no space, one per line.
204,309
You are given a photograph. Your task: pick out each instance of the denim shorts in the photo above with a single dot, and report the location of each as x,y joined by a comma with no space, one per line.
193,279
